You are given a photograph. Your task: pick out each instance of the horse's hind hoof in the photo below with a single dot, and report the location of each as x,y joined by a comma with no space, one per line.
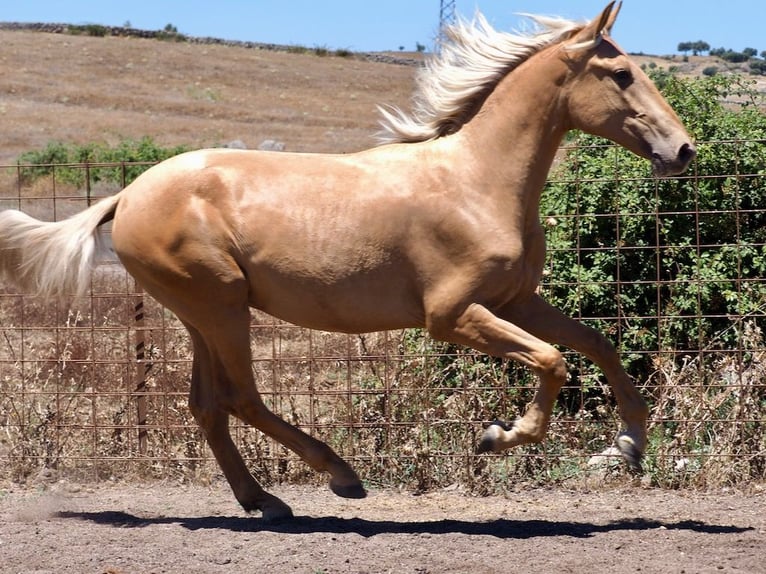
630,453
355,490
485,445
276,514
272,509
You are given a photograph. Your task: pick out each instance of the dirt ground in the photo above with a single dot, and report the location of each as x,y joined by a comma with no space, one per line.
121,529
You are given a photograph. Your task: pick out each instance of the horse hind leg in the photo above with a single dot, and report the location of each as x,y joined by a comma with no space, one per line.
214,307
214,422
229,346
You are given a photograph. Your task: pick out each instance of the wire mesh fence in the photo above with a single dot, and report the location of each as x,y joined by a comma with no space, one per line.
96,387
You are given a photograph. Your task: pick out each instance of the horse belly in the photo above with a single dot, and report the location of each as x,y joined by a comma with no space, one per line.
351,303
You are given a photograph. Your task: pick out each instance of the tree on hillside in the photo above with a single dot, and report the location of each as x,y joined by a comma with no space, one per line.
730,55
694,47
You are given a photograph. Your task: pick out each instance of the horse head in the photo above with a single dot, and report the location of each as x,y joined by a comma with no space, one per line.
608,95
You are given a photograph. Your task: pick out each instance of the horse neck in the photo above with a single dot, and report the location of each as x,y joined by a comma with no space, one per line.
516,134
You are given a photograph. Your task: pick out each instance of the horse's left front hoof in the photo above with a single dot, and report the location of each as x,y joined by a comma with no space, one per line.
489,440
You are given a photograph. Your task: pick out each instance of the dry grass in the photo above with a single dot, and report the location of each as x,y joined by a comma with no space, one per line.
708,415
82,89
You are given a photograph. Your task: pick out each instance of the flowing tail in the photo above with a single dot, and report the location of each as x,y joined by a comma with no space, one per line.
53,259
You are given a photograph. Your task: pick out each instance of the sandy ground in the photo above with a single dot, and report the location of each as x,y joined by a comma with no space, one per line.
120,529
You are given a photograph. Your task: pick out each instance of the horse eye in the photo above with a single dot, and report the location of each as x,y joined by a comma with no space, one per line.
623,77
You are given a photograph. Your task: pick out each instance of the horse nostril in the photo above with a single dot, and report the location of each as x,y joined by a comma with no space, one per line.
687,152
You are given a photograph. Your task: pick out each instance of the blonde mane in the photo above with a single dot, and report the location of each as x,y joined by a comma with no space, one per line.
451,86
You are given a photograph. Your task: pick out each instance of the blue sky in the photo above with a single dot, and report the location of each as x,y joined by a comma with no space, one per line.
650,26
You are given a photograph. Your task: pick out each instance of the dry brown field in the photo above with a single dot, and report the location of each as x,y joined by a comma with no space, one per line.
79,89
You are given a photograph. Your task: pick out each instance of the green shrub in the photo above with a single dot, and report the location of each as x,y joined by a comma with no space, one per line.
96,30
170,32
672,271
60,158
714,282
758,67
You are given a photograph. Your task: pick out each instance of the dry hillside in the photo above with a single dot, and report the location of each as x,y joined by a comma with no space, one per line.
81,89
98,89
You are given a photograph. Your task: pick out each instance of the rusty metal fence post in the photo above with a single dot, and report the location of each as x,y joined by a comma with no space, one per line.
143,366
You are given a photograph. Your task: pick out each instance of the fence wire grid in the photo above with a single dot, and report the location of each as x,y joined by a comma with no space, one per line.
96,387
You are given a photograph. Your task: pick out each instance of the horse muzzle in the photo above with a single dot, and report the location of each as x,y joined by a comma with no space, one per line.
665,165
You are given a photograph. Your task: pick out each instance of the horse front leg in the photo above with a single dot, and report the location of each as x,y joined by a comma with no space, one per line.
550,324
478,328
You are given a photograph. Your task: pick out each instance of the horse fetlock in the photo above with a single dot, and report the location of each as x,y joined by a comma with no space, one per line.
490,440
500,436
634,410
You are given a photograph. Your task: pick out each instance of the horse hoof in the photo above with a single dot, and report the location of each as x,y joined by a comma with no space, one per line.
276,512
490,436
630,452
271,507
485,445
355,490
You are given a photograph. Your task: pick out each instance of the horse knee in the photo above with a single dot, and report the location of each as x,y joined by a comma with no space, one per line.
551,365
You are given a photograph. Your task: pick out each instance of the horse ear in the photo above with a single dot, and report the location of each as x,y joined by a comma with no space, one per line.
612,17
597,26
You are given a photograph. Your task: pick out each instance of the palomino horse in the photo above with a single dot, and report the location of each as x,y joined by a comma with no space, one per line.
439,228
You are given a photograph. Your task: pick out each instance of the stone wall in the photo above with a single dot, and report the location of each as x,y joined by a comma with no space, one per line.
99,30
